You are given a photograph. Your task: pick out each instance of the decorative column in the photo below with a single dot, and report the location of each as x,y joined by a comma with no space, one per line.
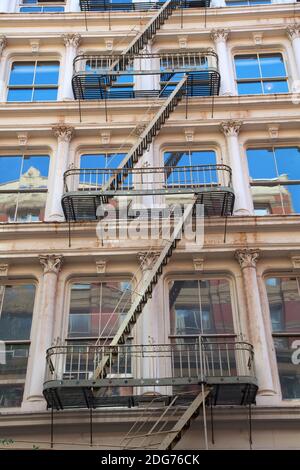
8,6
247,259
73,5
3,44
293,32
56,186
219,37
71,42
44,332
218,3
243,203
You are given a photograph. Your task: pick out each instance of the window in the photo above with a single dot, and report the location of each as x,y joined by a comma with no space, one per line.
16,308
33,81
261,74
207,174
23,187
275,179
241,3
122,86
34,6
284,302
92,179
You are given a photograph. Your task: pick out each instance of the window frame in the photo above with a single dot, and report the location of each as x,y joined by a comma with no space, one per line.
33,87
280,334
42,4
19,191
261,79
20,381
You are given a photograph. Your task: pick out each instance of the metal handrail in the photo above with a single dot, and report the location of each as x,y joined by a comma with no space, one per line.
126,5
154,178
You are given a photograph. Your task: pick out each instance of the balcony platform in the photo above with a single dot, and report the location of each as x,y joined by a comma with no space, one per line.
105,5
95,187
225,367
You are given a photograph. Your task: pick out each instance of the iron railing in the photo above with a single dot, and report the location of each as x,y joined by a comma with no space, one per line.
148,180
107,5
203,359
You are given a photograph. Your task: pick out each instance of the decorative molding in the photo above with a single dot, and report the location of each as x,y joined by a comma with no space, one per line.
247,257
257,38
35,46
219,35
293,31
3,43
189,135
105,138
101,266
273,130
63,133
139,129
231,128
71,39
23,139
4,270
295,262
182,42
147,259
109,44
198,264
51,263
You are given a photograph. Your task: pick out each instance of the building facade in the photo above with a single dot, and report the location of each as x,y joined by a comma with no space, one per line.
213,90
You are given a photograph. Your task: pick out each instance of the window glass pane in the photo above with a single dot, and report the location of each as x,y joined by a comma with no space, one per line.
200,307
249,88
288,161
45,94
19,94
35,171
288,361
15,364
8,204
261,163
22,73
272,65
30,9
11,395
46,73
10,171
31,207
16,312
275,87
247,66
284,302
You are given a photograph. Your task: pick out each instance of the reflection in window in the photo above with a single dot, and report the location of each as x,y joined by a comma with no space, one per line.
16,308
90,178
40,6
207,174
23,187
275,179
261,74
33,81
200,307
241,3
284,302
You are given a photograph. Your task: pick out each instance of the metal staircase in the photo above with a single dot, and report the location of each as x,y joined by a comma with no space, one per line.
148,284
173,421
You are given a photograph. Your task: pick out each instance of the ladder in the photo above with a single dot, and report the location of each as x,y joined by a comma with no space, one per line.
148,284
162,435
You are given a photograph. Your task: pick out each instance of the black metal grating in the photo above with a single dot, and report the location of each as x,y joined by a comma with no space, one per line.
80,206
93,87
106,5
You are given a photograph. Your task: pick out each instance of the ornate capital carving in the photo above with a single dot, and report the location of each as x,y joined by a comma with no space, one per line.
218,35
3,270
51,263
231,128
198,264
101,266
247,258
63,133
293,31
3,43
71,39
147,259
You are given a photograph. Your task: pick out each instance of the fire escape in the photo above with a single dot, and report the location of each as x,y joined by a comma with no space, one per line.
114,374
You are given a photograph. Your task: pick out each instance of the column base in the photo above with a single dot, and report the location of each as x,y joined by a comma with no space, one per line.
34,404
55,218
242,212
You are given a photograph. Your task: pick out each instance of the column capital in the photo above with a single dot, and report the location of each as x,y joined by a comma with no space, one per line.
51,263
247,257
63,133
231,127
293,31
219,35
3,43
71,39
